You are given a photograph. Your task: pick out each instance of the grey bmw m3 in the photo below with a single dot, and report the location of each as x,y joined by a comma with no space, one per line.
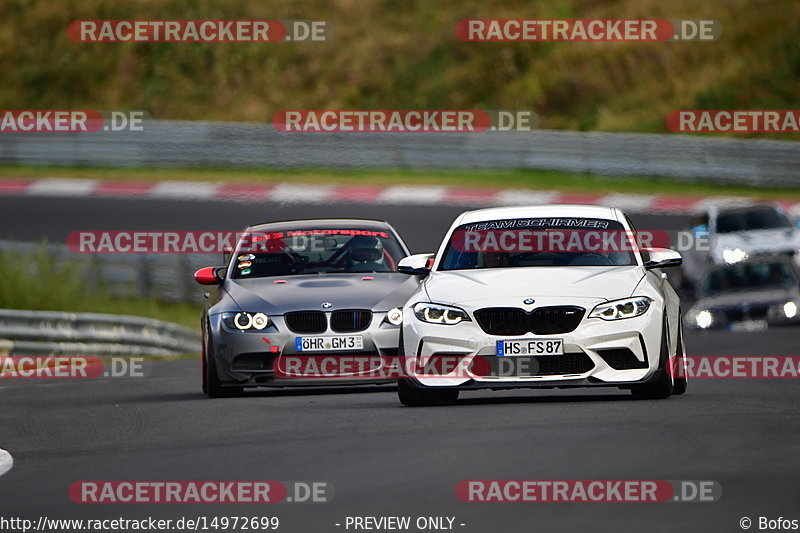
304,303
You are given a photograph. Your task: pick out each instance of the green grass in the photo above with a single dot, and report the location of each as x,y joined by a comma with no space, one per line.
388,54
42,283
527,179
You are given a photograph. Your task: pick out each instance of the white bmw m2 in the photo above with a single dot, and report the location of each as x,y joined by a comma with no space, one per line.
553,296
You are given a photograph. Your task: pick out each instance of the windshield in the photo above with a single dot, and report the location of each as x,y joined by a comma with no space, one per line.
746,276
316,251
752,219
538,242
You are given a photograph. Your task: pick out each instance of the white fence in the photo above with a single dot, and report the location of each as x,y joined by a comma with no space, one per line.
224,144
57,333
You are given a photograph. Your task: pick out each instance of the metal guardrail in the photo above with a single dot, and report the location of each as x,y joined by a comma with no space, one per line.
58,333
166,277
228,144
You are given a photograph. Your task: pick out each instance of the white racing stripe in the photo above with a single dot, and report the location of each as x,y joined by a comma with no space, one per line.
298,193
313,194
62,187
6,461
184,190
525,197
628,202
412,195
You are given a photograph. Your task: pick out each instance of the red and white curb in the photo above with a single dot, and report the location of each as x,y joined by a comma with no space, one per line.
6,461
304,193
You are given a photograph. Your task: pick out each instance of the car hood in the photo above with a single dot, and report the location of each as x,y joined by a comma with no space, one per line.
760,241
302,293
465,286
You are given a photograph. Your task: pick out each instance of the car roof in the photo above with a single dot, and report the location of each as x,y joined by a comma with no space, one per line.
537,211
323,223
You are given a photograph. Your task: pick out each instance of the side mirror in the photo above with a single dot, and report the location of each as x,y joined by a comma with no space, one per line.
663,258
416,265
209,276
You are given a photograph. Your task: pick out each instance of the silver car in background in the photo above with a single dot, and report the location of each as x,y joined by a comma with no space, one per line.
747,296
732,234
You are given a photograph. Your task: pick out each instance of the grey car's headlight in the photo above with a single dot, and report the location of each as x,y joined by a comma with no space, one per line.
394,316
245,321
619,309
440,314
790,309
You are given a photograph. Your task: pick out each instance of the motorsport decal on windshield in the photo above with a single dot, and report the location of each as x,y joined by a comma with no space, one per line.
256,236
553,235
539,223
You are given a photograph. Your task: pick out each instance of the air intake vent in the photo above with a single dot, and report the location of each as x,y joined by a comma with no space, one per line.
351,320
541,321
306,321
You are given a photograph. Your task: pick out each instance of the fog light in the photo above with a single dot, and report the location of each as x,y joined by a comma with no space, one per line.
395,316
260,321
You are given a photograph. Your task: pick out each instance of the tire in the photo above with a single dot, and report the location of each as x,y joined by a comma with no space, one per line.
212,385
412,396
680,384
203,377
660,384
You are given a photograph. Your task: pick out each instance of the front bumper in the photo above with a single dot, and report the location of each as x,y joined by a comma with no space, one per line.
602,353
269,357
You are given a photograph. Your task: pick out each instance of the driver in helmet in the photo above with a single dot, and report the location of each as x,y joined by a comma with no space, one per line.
366,254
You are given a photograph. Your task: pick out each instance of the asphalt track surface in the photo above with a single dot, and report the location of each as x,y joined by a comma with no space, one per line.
384,459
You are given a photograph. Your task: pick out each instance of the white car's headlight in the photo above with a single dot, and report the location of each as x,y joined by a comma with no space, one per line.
704,319
394,316
734,255
245,321
619,309
440,314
